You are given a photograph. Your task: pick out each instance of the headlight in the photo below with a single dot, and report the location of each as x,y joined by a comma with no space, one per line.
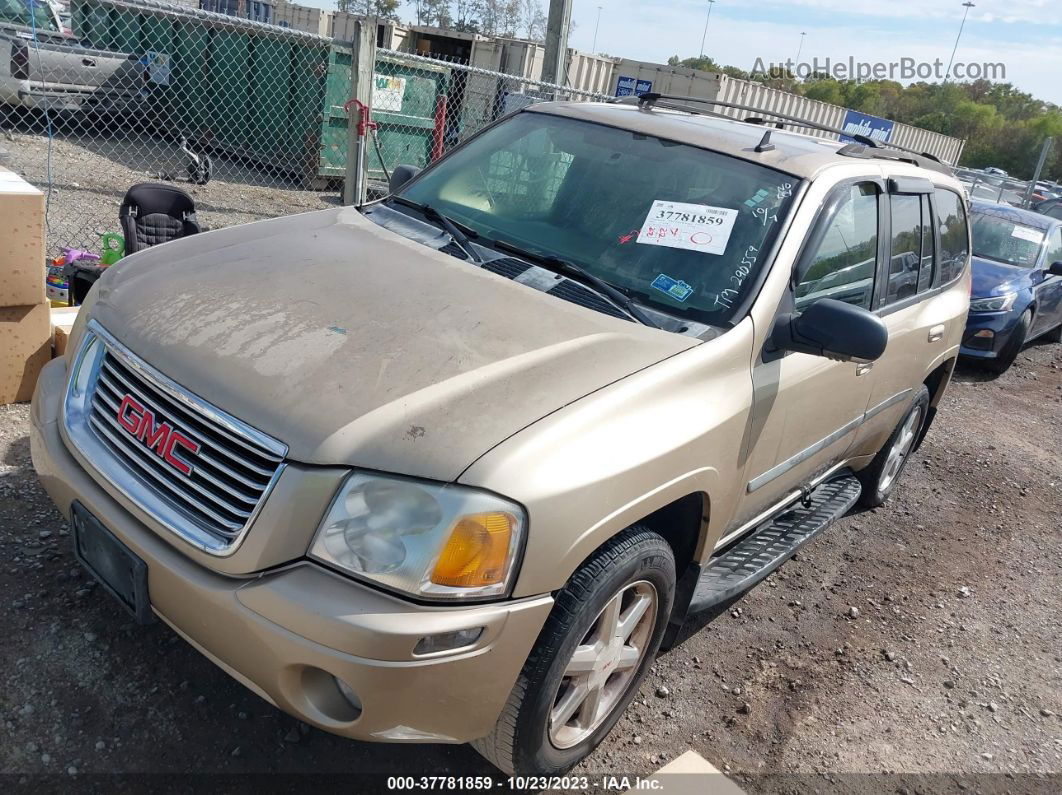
1000,303
427,539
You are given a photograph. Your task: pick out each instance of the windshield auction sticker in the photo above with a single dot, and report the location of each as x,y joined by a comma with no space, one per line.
696,227
1027,233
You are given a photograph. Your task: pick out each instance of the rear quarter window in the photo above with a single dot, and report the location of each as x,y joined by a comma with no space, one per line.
954,229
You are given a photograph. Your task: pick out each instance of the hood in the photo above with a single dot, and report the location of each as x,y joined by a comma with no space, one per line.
355,346
992,278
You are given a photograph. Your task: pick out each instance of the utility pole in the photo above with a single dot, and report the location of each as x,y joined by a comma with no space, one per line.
967,5
556,56
800,49
706,19
1048,142
597,24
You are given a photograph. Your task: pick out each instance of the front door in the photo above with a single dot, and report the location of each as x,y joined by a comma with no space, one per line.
806,409
1049,291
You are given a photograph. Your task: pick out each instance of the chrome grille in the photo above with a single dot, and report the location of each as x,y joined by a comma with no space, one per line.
230,475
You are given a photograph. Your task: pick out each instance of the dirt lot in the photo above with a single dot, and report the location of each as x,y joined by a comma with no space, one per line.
916,639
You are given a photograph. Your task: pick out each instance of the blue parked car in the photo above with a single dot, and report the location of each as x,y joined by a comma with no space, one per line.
1017,283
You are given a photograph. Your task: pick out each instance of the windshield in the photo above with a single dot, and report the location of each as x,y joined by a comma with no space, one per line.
1004,241
679,228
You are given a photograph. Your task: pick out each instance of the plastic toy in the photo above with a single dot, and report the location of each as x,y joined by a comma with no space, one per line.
57,281
113,248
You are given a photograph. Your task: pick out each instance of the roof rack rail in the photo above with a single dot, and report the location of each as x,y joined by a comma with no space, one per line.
649,99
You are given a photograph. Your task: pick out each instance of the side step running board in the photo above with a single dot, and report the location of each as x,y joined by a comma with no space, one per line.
752,558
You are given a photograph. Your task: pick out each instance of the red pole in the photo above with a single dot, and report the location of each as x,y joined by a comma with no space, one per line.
439,129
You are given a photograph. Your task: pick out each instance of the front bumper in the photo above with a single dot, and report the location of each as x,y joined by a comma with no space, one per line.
995,329
285,633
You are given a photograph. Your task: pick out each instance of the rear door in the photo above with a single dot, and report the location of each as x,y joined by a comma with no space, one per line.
928,234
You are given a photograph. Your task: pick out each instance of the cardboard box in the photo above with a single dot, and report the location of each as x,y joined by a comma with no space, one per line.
25,347
62,321
21,242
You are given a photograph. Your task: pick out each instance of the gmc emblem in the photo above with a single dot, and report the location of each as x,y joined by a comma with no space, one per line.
163,438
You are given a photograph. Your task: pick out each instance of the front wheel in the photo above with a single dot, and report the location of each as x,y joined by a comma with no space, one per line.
590,658
880,478
1009,353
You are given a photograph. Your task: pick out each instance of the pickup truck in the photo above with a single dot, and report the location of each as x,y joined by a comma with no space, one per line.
40,67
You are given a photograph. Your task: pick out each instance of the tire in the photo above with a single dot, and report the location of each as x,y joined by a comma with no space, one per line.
880,478
1010,351
634,566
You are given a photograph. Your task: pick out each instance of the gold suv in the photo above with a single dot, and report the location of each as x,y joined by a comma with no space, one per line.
452,466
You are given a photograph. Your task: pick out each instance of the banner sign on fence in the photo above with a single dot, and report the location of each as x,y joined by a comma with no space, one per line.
626,86
856,123
388,92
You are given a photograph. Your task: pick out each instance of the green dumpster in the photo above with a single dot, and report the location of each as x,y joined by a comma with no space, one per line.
405,101
252,91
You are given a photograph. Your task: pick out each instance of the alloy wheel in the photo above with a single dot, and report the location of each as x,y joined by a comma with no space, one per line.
901,449
604,664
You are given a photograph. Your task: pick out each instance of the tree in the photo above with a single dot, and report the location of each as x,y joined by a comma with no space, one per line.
385,9
500,17
434,12
532,19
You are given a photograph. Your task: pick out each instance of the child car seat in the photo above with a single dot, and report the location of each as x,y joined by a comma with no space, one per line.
153,213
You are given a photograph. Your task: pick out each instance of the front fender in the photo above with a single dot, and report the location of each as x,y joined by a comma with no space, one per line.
601,464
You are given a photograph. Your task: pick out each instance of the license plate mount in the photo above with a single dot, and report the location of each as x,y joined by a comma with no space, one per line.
111,563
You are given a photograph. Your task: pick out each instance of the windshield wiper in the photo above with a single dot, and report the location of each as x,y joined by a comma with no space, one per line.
565,268
459,237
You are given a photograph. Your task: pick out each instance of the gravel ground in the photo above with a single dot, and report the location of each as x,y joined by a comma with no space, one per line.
92,172
917,639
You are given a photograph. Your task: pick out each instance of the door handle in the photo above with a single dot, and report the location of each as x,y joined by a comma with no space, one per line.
864,368
936,334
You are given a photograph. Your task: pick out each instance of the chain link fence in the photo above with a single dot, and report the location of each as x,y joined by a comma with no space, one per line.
424,106
250,119
231,111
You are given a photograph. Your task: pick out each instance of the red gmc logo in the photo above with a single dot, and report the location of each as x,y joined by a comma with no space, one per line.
163,438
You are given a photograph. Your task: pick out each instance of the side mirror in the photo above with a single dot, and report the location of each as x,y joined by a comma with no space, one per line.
832,329
400,175
1055,269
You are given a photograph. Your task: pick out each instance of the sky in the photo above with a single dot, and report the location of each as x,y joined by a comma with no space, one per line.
1024,35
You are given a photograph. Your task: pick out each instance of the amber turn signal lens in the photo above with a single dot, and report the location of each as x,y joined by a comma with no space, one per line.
477,551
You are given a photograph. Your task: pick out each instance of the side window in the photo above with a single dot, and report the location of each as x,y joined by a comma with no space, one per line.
1055,210
954,234
1054,247
905,257
843,262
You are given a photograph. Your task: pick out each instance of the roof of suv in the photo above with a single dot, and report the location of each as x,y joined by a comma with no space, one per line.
794,153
